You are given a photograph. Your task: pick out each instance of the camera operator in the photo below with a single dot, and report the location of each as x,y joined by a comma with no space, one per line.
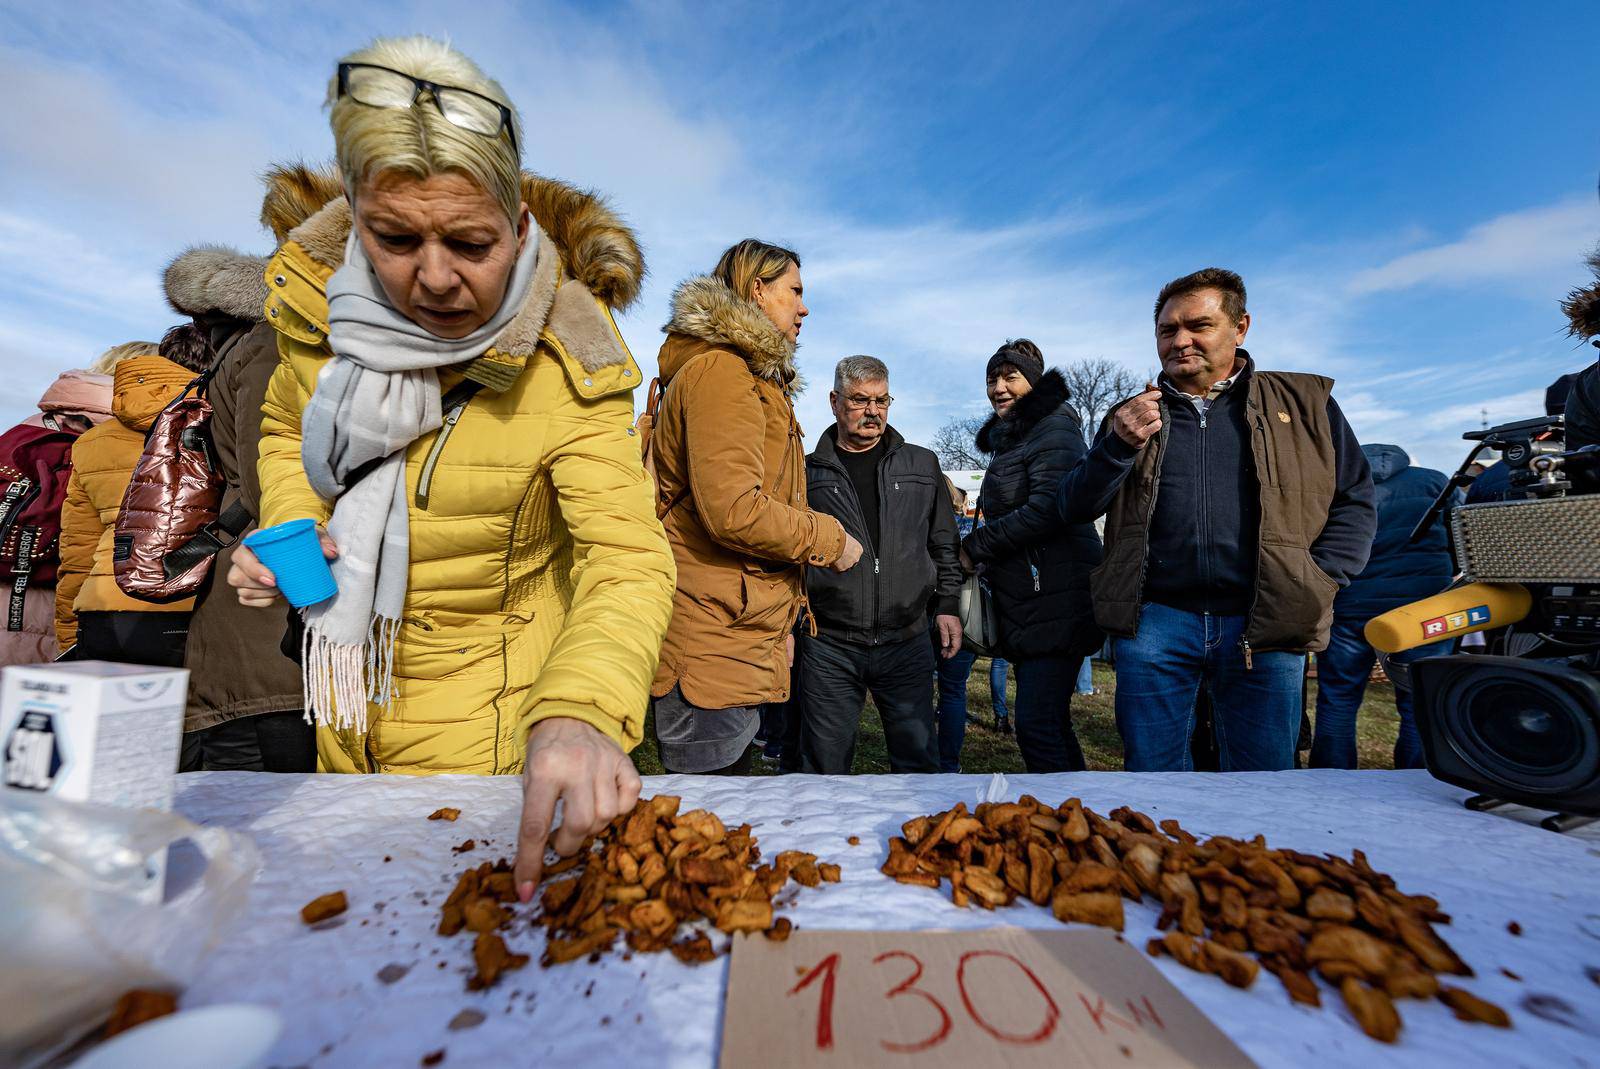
1582,307
1583,409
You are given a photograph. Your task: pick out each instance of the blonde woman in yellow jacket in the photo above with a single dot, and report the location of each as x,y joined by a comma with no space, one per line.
520,630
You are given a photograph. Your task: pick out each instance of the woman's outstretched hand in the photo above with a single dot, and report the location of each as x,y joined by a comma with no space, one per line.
588,772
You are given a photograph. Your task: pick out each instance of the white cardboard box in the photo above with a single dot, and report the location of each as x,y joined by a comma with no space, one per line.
93,731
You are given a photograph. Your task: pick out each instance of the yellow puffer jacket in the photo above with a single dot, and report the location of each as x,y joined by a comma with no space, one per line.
541,581
103,459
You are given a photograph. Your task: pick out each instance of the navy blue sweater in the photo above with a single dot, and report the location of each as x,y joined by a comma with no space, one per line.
1203,535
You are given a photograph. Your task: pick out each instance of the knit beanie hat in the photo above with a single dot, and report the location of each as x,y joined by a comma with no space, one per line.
1021,354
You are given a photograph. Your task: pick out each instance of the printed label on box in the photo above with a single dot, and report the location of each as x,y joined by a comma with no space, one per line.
33,751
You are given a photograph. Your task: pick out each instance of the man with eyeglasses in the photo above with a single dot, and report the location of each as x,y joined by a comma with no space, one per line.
872,622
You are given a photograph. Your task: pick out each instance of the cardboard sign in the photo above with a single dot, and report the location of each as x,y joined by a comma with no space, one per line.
997,996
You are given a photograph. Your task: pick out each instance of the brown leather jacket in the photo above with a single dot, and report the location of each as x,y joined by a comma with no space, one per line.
730,469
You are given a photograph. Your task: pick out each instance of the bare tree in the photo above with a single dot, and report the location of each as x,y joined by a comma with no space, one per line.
1096,385
956,444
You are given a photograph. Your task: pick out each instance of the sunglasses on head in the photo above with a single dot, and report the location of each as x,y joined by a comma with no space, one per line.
383,87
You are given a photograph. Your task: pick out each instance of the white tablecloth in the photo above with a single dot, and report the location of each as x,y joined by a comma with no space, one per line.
327,833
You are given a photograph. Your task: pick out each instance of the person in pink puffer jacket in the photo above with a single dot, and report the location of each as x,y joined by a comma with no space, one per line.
76,401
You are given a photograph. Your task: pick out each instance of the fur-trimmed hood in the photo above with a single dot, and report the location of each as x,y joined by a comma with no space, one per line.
704,308
206,280
296,192
1047,395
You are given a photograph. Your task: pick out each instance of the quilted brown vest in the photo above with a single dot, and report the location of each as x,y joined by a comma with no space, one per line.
1287,418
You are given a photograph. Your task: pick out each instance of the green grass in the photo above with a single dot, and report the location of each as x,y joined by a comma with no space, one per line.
1093,717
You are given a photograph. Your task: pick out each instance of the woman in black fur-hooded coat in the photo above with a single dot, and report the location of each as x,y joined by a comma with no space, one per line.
1037,567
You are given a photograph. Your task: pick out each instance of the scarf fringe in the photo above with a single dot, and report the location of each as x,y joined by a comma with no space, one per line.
341,680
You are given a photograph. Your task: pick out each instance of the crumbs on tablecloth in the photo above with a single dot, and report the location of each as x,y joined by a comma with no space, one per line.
392,973
468,1018
323,907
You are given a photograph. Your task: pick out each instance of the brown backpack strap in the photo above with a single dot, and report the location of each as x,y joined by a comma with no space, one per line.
210,540
646,426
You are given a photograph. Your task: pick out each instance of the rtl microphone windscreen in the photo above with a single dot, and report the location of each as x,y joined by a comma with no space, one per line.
1457,612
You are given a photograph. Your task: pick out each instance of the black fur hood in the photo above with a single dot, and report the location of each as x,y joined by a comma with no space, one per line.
1047,396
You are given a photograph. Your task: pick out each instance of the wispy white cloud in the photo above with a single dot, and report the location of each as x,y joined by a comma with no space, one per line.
51,265
934,300
1539,246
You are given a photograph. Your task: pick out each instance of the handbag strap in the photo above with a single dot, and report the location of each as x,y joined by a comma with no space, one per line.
208,541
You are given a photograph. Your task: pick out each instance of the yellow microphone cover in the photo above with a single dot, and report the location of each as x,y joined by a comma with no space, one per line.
1457,612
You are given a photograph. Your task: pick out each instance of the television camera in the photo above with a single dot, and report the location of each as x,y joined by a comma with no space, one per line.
1521,722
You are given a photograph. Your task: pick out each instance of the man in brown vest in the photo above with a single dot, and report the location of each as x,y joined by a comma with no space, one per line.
1237,503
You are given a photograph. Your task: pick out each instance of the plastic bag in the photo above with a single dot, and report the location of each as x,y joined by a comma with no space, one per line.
997,789
81,916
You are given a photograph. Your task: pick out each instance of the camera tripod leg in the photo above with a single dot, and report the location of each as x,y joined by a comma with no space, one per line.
1482,803
1565,822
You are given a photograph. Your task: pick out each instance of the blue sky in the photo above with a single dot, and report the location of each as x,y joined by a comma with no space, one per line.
1407,192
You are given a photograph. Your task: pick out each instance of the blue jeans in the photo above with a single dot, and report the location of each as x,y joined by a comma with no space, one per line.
1159,674
1044,714
997,688
1342,673
1086,677
952,712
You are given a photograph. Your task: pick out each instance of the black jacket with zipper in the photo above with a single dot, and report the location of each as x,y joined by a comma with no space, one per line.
887,596
1037,567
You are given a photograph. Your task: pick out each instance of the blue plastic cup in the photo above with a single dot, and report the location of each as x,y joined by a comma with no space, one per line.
294,554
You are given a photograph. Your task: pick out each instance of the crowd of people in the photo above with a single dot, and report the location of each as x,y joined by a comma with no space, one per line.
427,366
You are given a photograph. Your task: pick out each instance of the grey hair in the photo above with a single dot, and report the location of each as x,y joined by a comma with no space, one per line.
854,369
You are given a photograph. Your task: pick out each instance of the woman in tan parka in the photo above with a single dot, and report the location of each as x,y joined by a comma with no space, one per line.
730,469
503,580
